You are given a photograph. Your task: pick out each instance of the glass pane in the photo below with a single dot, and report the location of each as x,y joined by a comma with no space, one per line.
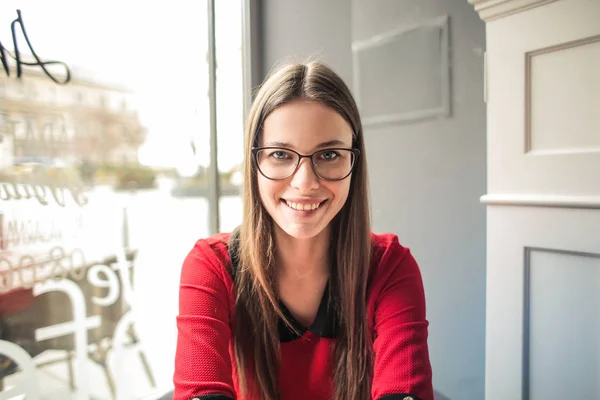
102,192
230,125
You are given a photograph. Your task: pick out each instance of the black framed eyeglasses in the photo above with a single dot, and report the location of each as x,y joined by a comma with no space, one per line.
332,164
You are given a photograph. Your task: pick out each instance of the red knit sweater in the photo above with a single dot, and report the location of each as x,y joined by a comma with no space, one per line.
204,364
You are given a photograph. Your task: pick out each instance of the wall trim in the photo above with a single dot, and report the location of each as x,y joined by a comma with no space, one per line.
528,89
527,200
444,109
526,339
490,10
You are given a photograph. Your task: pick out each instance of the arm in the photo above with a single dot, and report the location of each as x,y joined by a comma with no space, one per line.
202,361
402,368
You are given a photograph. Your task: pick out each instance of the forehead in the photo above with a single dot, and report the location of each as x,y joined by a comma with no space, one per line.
304,125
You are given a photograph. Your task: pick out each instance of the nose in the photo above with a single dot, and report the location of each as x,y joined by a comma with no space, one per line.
305,179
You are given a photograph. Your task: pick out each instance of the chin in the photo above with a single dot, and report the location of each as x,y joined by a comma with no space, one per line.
300,232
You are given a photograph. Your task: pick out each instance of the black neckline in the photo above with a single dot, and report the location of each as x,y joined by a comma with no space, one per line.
324,324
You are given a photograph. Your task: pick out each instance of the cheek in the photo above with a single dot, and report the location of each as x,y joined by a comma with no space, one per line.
267,190
341,191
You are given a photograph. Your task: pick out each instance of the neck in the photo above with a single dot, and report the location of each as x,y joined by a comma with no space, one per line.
300,259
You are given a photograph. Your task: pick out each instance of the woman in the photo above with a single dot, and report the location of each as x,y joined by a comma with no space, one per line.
303,301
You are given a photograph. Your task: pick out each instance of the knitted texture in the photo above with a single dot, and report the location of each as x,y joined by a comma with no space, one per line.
396,308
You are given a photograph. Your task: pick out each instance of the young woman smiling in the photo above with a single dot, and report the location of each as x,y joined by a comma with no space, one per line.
303,301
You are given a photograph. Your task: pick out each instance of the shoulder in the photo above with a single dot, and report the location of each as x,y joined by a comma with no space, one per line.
384,245
389,258
214,247
209,255
395,285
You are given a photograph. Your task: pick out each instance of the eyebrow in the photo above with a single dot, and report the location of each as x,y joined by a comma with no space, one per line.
330,143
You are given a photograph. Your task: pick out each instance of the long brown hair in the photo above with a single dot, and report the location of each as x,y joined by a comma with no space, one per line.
256,338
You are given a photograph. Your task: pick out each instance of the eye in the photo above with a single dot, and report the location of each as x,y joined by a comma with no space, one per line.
280,155
329,155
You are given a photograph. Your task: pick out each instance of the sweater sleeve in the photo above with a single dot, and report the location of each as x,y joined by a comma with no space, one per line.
202,362
402,367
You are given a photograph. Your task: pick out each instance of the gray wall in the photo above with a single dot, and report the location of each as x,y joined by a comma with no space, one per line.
313,28
426,176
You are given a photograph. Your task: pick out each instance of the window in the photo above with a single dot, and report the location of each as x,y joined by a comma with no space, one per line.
91,249
230,112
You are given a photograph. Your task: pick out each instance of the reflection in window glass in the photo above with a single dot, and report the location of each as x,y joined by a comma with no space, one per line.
103,190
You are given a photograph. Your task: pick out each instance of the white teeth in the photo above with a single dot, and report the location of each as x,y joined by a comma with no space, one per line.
302,207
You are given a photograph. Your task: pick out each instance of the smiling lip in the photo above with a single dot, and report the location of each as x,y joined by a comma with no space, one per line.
303,204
